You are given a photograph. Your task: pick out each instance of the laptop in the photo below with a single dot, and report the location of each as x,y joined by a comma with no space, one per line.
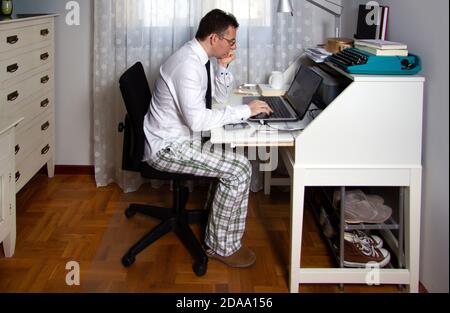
294,105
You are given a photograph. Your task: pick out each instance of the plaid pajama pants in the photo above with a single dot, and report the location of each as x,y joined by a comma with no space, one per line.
226,222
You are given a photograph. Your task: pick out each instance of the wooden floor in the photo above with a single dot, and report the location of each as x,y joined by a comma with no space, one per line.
68,219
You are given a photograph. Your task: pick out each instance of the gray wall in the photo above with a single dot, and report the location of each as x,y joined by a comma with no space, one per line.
349,17
424,26
73,64
323,24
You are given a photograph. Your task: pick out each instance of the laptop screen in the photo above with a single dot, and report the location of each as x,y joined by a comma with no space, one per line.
302,90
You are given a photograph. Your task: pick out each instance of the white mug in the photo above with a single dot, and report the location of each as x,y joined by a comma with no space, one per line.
276,80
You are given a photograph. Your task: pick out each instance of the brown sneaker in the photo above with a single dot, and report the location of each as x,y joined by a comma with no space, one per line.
359,254
244,257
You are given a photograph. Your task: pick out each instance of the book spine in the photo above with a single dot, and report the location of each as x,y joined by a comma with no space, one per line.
385,11
379,17
387,23
364,29
380,35
381,24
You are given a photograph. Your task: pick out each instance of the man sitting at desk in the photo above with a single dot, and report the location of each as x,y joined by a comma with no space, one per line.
181,107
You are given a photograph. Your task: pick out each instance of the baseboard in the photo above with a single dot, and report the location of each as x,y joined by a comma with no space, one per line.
71,170
422,288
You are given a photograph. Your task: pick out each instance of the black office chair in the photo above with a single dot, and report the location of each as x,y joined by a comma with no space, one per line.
136,95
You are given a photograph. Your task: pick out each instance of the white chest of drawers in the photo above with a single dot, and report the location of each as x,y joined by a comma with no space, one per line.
27,91
7,187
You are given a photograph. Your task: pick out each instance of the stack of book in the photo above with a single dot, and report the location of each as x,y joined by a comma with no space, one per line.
382,47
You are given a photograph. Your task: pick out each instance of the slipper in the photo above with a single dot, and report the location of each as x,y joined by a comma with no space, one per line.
242,258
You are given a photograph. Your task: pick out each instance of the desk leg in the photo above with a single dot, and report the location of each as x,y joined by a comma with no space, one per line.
413,229
297,208
271,165
267,182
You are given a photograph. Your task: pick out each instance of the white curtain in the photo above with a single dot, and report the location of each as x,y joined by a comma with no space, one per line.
127,31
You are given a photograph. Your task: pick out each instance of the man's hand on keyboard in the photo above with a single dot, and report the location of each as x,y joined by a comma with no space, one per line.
260,107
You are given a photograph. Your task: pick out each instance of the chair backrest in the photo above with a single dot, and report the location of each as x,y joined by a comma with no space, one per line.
136,95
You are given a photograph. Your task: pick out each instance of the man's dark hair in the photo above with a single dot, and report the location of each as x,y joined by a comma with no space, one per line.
215,22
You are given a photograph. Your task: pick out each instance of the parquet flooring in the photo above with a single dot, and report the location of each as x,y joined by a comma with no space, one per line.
68,219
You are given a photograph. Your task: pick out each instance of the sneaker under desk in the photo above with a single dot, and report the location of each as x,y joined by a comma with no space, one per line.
391,231
371,135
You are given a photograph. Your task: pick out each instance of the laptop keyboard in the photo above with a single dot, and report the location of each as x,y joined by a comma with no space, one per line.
278,107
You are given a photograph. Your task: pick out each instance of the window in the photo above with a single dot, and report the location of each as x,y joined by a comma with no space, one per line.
164,13
251,12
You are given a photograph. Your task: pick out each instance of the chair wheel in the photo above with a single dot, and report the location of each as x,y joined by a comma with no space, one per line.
200,268
129,212
128,260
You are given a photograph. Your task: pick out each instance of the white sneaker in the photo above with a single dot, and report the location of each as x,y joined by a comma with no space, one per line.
372,240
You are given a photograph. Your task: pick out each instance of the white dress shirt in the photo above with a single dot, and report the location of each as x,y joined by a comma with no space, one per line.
178,108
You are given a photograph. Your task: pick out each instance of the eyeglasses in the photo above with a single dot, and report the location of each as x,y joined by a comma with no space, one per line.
231,42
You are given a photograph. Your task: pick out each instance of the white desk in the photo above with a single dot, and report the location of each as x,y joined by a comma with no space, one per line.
249,137
371,135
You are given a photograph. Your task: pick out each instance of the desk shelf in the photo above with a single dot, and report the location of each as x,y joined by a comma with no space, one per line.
319,199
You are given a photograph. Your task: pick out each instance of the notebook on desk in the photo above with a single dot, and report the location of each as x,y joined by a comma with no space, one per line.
295,103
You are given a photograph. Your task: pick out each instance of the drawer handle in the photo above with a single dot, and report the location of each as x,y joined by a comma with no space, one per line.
44,56
13,96
17,149
12,68
17,176
12,39
45,32
45,126
45,150
45,103
45,79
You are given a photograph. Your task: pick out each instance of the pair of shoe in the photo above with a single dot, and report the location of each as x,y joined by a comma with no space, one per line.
242,258
361,249
362,208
